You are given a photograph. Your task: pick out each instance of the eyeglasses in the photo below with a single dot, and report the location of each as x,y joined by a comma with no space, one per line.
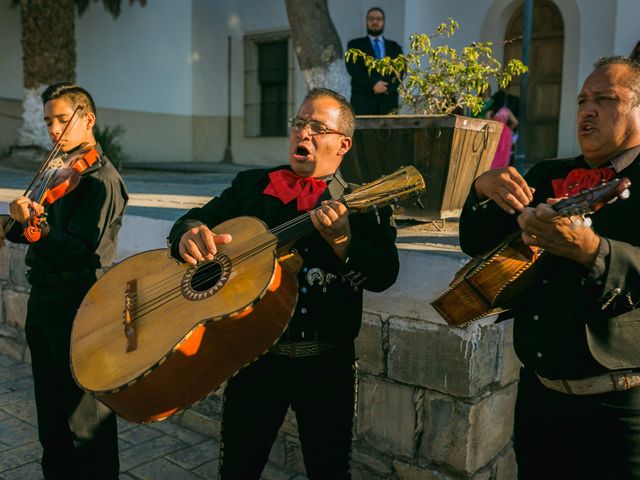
316,128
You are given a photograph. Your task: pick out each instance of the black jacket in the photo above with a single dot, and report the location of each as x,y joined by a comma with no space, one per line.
84,225
573,323
363,100
330,292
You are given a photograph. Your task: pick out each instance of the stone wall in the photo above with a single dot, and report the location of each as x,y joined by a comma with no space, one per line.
434,402
14,292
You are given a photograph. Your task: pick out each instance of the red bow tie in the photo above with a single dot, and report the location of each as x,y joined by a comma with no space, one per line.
288,186
580,179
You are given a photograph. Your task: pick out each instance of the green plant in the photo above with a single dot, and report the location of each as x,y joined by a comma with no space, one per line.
109,139
440,79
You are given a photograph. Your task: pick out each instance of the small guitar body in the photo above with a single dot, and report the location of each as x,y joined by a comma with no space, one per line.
153,336
488,284
496,280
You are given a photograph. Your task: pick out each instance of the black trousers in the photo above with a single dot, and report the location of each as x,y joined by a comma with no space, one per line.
320,390
559,436
78,434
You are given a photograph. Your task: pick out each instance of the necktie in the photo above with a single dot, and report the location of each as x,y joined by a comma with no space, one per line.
580,179
287,186
377,50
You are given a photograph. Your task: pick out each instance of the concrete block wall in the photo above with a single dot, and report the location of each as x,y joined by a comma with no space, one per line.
434,402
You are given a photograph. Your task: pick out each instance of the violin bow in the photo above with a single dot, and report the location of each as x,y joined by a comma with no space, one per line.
52,154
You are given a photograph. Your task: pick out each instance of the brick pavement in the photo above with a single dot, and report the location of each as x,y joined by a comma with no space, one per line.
162,450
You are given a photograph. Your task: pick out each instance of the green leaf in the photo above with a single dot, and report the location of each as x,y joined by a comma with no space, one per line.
440,79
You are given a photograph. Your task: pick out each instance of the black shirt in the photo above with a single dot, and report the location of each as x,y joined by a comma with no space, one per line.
574,322
83,225
329,305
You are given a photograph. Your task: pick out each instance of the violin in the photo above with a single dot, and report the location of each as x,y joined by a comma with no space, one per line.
55,184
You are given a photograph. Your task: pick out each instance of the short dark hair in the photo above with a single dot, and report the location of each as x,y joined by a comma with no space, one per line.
634,83
347,115
72,91
374,9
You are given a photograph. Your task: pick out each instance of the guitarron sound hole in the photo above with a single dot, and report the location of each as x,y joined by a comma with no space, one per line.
205,279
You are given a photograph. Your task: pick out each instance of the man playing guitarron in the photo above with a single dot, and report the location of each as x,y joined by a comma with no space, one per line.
311,368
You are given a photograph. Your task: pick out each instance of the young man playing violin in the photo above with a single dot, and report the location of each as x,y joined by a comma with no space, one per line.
311,367
577,332
78,434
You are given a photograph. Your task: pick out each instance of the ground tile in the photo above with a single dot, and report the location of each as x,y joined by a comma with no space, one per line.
25,411
13,396
30,471
139,454
196,455
208,471
162,469
7,361
19,456
25,383
16,372
15,432
124,425
182,433
139,434
123,445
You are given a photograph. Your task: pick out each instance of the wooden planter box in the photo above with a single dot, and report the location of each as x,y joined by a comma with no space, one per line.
450,151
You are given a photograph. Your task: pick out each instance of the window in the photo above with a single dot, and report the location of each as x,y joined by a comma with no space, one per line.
268,84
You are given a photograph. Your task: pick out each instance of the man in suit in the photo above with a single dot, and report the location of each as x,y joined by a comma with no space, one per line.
311,367
577,332
372,93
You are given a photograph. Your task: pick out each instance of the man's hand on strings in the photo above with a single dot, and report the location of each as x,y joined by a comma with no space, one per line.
199,244
506,187
20,209
331,220
562,236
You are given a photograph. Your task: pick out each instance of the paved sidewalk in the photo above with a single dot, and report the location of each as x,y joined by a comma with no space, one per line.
161,450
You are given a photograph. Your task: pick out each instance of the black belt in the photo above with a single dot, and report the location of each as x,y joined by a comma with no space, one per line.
301,349
56,277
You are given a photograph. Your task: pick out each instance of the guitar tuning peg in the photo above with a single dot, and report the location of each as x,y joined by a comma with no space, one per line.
613,200
625,194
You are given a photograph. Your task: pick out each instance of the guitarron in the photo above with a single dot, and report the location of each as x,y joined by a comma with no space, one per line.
496,280
153,336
